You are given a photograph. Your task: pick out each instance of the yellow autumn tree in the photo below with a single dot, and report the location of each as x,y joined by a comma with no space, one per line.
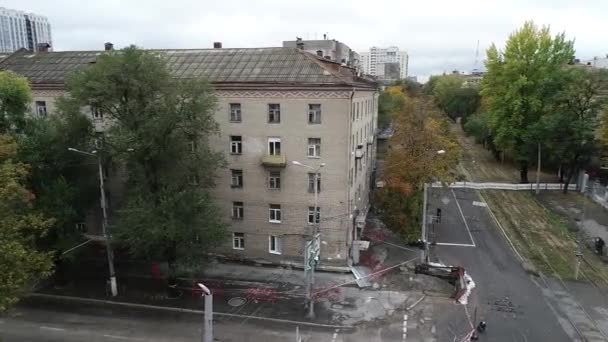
421,150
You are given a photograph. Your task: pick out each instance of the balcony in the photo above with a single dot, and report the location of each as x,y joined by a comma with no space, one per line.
274,161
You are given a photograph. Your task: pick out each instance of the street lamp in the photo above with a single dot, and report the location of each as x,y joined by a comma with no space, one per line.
104,223
313,239
424,253
208,327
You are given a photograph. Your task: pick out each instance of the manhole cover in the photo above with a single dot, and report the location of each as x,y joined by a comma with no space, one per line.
236,301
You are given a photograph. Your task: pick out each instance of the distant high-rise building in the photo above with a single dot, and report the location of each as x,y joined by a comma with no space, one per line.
380,62
19,29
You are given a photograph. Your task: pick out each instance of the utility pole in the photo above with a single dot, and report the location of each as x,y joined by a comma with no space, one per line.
208,319
105,229
311,252
423,253
538,172
104,223
579,250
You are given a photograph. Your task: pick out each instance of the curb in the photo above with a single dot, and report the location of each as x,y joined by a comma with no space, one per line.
182,310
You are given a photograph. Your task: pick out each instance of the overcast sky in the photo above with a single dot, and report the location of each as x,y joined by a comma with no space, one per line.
438,35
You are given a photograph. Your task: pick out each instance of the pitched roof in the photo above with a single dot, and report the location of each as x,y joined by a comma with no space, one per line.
255,65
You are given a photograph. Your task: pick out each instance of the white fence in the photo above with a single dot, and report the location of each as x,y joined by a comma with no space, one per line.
503,186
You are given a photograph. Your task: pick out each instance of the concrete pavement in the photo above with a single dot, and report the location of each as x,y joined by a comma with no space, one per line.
68,321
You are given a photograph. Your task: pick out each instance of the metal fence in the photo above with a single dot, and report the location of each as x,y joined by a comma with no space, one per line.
502,186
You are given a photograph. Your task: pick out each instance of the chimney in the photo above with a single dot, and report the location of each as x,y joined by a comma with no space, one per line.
108,46
217,45
43,47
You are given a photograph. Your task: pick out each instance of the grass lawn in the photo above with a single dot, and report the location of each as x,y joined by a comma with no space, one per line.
546,238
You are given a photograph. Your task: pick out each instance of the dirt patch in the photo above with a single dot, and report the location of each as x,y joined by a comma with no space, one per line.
481,166
547,239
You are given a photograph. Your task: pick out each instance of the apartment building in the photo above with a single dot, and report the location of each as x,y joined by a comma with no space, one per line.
19,29
387,64
275,106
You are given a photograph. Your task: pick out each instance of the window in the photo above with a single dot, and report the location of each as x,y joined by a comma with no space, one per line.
314,147
311,215
238,210
314,113
81,227
235,112
274,113
236,144
237,178
274,180
41,108
357,110
96,112
274,146
274,213
238,240
311,182
191,146
274,244
193,178
320,53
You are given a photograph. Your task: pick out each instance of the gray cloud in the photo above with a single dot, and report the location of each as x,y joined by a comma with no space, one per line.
439,35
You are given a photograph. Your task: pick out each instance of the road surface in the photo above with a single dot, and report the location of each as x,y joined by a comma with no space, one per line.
506,297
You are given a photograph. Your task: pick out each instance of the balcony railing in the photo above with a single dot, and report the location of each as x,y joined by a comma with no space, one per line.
274,161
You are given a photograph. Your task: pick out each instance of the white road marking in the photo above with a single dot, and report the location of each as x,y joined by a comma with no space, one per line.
335,335
480,204
454,244
463,219
404,328
123,337
51,328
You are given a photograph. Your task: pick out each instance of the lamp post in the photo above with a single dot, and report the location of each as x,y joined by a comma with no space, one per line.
104,223
313,241
424,253
208,319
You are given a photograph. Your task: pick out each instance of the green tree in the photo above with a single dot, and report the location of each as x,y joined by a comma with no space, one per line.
520,85
454,97
61,180
15,97
390,103
570,126
20,225
161,127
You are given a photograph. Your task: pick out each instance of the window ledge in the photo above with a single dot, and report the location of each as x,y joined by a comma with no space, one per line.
236,186
274,252
274,221
313,157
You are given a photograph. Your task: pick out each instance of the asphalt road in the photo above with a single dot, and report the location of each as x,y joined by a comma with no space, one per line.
71,324
506,297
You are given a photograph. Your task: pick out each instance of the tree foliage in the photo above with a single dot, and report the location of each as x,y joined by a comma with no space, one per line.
454,97
520,85
15,97
413,159
20,225
160,130
570,126
390,103
63,181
